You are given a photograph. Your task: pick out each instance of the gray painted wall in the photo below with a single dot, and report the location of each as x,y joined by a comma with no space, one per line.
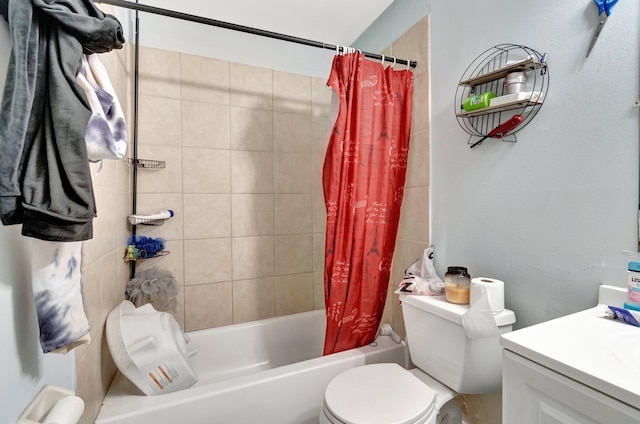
552,214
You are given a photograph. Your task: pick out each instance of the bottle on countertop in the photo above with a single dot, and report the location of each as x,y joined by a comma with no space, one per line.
633,284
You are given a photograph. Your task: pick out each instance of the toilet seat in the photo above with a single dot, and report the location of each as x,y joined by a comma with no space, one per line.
378,394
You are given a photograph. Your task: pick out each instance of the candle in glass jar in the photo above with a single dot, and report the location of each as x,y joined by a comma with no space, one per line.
457,285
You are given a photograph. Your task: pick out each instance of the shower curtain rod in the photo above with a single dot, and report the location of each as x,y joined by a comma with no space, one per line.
246,29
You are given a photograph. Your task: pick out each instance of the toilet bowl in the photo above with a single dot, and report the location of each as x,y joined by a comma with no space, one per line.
449,362
149,348
385,393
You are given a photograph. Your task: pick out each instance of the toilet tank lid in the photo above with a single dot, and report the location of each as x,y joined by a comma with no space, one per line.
438,305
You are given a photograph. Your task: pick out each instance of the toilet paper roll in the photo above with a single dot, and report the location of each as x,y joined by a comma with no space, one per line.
67,410
494,290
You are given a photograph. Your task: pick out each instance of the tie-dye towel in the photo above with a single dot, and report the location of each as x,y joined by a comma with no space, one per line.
57,287
106,135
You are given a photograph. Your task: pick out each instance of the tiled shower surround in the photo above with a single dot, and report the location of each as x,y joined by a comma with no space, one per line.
243,148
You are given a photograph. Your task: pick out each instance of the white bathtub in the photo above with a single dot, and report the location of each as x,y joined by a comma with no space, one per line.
269,372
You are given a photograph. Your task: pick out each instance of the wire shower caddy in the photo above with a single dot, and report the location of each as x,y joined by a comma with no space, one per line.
487,73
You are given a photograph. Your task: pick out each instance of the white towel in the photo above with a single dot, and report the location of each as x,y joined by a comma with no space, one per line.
57,287
106,135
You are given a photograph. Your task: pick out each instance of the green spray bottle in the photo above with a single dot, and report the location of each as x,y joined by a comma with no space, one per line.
478,102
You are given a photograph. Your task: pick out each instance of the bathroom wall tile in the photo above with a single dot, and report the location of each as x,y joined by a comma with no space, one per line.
114,275
179,311
124,170
159,73
252,214
103,174
254,299
318,290
94,249
414,45
108,367
291,92
293,254
104,237
205,125
206,170
292,213
414,215
398,318
319,210
251,129
120,211
250,86
292,173
320,97
92,299
253,257
387,312
292,132
418,163
207,216
150,203
320,133
206,261
165,180
121,73
209,305
318,251
420,115
88,379
406,252
204,79
294,294
251,172
160,121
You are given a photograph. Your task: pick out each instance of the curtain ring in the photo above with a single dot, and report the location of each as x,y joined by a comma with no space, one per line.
394,62
382,61
408,64
337,50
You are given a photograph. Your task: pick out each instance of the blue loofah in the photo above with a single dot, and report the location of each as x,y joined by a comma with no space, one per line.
147,247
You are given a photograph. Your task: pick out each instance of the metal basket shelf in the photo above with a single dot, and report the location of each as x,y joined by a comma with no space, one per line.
147,163
487,73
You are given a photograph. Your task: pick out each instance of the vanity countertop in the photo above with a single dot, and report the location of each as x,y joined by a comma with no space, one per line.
588,347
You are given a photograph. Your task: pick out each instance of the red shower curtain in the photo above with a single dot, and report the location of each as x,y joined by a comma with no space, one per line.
363,179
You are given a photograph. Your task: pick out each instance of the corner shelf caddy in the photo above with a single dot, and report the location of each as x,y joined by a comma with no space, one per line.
487,73
135,220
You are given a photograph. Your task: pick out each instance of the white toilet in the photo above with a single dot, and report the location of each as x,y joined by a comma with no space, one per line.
149,348
448,363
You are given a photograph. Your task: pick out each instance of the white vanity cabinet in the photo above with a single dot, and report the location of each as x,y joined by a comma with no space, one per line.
583,368
533,394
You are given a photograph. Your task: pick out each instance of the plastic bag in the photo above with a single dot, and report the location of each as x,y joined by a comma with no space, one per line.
421,278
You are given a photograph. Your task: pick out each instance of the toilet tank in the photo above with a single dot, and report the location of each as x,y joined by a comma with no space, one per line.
440,347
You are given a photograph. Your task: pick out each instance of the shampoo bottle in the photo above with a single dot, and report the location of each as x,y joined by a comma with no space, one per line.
478,102
633,284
